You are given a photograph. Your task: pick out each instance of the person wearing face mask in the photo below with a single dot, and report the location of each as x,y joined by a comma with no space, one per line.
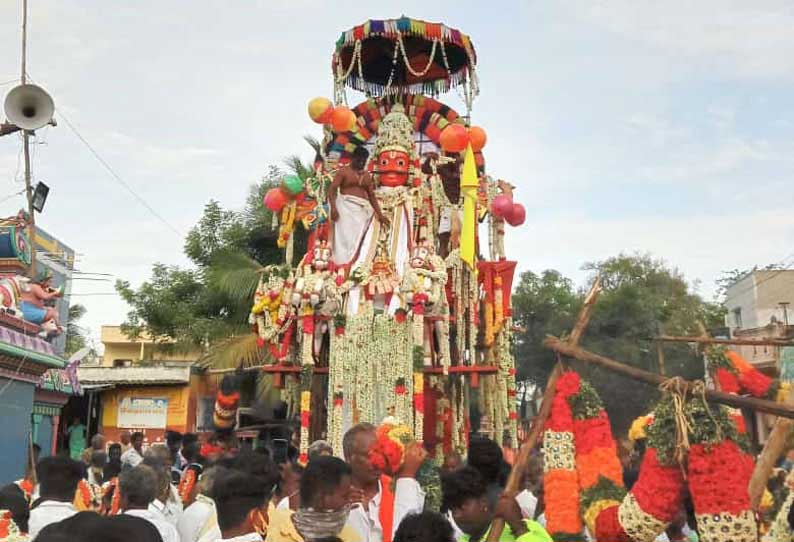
242,501
325,490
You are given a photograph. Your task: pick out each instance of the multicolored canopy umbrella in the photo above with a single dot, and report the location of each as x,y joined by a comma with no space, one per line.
404,56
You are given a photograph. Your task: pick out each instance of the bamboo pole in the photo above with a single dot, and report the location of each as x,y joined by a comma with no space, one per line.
738,401
711,340
773,447
520,466
522,461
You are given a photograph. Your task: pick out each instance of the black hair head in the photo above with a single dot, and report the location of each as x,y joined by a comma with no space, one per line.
236,493
423,528
59,477
462,485
321,477
486,456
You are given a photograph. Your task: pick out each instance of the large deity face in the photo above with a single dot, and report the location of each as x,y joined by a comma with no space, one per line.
393,168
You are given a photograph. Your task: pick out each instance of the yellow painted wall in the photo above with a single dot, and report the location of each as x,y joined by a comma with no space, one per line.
120,347
178,398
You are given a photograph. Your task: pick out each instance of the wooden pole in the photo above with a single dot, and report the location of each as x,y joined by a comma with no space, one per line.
738,401
584,315
710,340
522,461
520,466
774,446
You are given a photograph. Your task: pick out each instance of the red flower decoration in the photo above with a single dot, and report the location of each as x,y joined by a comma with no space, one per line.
399,316
593,433
608,526
727,380
659,489
568,384
755,382
718,478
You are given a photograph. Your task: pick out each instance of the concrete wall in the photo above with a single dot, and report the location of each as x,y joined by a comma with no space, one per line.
759,295
16,405
120,347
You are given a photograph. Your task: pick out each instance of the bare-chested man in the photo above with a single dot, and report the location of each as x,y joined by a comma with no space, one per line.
34,298
353,202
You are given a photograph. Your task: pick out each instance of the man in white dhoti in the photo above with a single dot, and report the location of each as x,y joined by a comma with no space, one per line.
353,202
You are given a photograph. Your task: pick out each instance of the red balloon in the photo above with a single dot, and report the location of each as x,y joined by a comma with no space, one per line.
517,215
454,138
275,199
343,119
502,206
478,137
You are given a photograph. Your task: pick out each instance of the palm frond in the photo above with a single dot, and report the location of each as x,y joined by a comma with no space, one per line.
297,167
313,142
236,274
266,392
236,351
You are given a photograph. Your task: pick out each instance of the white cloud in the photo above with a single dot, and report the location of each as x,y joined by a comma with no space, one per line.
752,39
700,246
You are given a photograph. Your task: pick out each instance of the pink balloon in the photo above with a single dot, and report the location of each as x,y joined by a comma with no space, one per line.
275,199
517,215
502,206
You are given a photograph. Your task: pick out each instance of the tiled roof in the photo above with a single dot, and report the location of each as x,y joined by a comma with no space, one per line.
134,375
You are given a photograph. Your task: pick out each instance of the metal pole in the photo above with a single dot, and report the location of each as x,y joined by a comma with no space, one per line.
26,147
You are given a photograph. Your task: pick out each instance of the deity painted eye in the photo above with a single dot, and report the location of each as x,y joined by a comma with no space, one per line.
384,162
401,163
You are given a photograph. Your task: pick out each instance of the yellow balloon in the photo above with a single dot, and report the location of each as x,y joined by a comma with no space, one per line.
319,106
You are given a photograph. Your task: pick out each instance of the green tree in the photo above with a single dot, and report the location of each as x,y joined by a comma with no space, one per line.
641,296
76,336
207,305
544,304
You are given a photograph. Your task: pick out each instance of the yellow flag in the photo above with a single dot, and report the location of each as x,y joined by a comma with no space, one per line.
468,187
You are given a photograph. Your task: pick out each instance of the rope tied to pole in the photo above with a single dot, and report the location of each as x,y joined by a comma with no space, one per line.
678,389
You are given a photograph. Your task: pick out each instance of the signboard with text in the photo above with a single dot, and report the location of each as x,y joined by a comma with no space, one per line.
142,413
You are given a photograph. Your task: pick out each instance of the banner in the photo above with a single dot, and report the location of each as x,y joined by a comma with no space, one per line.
142,413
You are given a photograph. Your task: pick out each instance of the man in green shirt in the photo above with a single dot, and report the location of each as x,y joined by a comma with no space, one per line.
473,509
76,433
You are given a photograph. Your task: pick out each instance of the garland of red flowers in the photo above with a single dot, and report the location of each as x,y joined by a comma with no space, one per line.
9,531
736,375
111,488
719,471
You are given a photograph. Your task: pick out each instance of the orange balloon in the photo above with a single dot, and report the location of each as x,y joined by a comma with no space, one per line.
478,137
343,119
318,107
454,138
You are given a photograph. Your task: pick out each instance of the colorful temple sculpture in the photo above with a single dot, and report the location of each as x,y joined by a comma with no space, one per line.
400,306
35,379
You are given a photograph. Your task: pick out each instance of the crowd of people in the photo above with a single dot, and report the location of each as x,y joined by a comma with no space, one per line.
184,490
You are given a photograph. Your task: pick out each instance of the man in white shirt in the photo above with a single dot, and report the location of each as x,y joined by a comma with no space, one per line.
134,455
58,478
138,488
366,516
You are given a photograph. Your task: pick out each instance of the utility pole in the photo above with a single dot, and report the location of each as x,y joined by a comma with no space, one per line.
26,148
784,305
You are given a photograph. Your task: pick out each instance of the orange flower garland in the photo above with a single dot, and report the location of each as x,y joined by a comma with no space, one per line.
561,481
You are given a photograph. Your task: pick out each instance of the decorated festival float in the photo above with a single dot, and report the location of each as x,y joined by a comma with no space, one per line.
400,307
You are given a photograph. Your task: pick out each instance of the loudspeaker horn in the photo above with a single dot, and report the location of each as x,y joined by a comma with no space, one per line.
29,106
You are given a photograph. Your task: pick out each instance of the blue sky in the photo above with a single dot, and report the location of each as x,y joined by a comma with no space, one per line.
663,126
